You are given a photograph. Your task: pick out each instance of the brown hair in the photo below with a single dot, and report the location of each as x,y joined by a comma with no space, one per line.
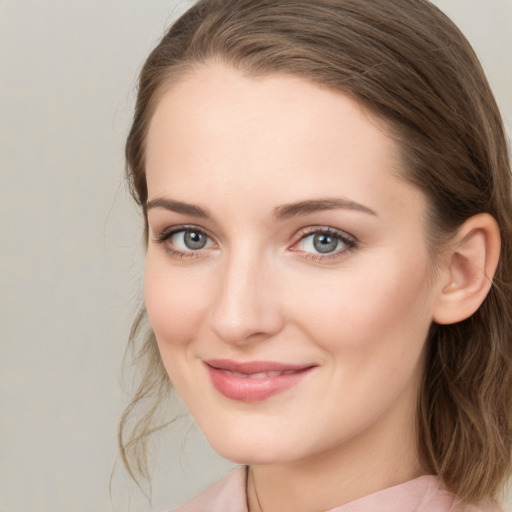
406,63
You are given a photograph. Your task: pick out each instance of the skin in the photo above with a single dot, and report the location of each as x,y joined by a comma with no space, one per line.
239,148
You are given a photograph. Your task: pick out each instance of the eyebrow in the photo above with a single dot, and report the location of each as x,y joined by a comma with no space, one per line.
178,207
301,208
285,211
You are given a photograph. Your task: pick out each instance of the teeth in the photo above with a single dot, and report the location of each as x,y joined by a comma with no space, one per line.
242,375
262,375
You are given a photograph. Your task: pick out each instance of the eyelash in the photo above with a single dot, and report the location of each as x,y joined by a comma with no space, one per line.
349,242
165,236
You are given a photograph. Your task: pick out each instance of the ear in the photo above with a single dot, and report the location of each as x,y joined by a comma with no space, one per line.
471,263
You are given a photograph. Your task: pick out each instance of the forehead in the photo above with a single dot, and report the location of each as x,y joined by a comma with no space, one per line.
230,133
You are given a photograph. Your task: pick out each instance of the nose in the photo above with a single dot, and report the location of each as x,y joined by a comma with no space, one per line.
246,307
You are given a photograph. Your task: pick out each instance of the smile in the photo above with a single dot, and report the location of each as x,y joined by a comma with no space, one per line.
261,375
254,381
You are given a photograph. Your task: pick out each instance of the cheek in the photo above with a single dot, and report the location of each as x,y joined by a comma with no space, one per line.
174,304
372,328
370,312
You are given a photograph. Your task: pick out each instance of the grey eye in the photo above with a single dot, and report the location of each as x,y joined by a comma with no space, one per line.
187,240
194,240
325,243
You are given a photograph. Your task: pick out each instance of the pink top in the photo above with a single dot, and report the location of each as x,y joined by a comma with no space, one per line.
424,494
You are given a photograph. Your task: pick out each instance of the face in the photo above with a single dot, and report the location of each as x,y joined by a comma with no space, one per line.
288,279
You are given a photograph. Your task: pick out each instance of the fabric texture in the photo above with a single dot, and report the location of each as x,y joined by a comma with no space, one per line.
424,494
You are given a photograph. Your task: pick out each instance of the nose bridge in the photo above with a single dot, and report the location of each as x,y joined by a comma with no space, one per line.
246,306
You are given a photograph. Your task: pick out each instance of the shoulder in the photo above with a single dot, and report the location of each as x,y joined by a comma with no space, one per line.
424,494
438,499
225,495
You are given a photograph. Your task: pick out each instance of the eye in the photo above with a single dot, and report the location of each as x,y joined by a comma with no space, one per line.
189,240
320,242
181,241
325,242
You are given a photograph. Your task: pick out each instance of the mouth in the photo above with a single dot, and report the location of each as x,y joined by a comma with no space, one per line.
254,381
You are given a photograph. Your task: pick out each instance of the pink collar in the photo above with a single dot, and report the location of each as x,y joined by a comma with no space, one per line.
424,494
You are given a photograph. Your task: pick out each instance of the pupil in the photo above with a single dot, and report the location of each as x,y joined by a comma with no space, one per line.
194,240
325,243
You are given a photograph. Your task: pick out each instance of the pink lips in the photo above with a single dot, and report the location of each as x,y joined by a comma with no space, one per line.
254,381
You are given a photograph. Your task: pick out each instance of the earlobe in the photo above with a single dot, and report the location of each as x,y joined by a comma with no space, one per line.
471,264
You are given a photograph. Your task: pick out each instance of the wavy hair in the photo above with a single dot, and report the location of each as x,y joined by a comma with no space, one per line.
409,65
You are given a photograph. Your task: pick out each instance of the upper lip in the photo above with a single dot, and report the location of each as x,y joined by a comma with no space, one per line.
249,367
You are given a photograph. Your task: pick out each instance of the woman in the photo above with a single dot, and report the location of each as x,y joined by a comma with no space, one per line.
327,200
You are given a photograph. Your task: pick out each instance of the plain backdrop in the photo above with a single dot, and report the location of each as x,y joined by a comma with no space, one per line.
71,256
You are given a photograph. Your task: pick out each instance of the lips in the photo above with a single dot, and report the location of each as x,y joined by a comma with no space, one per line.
254,381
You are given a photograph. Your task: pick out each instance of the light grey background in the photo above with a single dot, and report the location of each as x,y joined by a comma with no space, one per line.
70,247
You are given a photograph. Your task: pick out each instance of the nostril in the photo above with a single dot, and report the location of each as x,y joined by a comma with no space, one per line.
250,325
245,307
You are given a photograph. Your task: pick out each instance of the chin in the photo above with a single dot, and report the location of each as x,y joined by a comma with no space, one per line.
251,449
250,456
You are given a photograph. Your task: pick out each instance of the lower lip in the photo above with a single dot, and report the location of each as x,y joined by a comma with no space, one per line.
247,389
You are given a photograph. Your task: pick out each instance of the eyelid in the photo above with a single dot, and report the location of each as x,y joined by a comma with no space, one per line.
164,236
350,242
